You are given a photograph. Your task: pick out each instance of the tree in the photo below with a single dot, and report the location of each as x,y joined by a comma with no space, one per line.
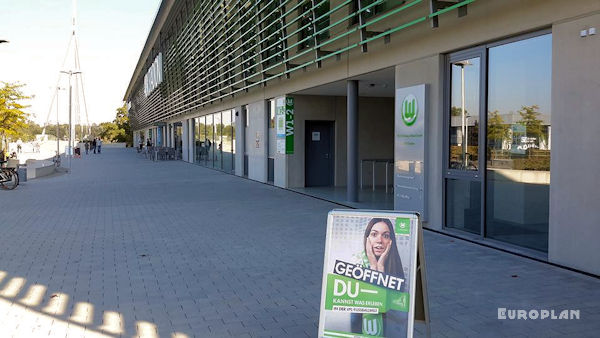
122,121
532,123
119,130
12,117
457,111
110,132
29,130
497,129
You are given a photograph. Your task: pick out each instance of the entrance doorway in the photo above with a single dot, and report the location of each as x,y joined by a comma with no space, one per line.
319,156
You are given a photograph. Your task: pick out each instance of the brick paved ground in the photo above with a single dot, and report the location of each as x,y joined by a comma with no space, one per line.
128,247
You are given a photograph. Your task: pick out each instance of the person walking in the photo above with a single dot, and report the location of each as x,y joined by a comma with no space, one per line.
19,146
99,145
94,145
87,147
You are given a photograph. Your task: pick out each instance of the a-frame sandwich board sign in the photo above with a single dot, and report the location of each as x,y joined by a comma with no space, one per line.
374,281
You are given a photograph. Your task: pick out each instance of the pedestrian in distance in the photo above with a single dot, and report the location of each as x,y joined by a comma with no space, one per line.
19,146
94,145
87,147
99,145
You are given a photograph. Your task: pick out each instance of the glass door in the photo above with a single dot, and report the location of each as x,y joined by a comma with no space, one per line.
464,156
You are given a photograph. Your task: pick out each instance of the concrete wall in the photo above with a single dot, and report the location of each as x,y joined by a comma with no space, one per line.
429,70
256,139
574,193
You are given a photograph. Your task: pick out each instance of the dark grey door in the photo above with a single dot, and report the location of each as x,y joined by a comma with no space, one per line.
319,153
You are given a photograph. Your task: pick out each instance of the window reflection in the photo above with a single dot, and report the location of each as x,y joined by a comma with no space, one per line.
464,114
215,140
519,142
227,141
208,142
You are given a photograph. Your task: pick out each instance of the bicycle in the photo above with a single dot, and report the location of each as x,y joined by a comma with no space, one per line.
9,178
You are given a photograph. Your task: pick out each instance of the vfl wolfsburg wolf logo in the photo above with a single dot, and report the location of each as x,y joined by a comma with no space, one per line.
410,110
372,325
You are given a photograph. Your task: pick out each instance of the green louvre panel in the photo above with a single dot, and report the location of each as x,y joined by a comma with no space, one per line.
289,125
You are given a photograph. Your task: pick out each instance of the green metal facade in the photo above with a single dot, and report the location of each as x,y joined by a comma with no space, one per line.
214,50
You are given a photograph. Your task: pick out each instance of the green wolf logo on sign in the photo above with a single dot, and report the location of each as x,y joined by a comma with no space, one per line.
410,110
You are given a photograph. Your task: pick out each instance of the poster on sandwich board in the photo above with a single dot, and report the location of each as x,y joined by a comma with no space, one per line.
373,275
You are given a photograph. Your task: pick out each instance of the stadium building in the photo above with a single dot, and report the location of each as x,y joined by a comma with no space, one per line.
480,114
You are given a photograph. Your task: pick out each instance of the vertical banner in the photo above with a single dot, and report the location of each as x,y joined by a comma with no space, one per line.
409,149
289,125
284,114
370,286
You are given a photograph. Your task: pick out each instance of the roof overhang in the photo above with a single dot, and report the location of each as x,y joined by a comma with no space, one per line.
159,21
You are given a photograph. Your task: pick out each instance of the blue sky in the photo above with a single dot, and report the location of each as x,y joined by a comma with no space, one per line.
111,35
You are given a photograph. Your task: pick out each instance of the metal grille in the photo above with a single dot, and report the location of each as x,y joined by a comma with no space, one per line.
216,49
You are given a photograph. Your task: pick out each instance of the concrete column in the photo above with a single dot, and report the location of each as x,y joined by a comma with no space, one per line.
257,148
191,141
240,139
184,144
171,135
352,141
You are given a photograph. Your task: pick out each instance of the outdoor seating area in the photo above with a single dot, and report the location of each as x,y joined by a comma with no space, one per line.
160,153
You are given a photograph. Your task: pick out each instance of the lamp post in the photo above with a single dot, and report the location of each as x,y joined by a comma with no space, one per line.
2,139
464,128
57,123
70,152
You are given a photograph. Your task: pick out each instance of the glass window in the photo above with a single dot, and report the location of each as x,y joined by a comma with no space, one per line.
519,142
464,114
463,205
197,140
209,143
271,114
272,47
233,143
218,141
228,141
308,28
203,152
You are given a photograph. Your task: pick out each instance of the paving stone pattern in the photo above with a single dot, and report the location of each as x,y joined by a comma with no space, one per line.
126,247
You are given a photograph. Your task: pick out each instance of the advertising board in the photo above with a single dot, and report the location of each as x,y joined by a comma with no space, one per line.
373,275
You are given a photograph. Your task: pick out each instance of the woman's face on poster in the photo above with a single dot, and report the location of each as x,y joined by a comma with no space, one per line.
380,238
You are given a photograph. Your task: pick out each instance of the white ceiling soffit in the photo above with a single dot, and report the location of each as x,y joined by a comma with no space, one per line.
376,84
